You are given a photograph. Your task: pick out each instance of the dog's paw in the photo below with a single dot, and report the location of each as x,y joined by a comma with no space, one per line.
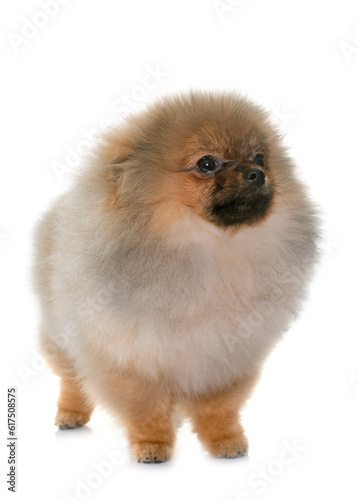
229,447
70,419
149,453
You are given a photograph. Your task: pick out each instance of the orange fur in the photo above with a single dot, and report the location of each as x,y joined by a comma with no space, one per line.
215,419
74,406
145,407
74,409
147,410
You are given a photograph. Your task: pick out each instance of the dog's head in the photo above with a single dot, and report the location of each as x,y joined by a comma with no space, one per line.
211,154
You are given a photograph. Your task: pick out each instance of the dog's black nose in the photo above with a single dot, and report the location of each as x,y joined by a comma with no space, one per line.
255,176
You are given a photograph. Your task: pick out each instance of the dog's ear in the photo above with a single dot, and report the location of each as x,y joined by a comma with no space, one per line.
115,147
112,152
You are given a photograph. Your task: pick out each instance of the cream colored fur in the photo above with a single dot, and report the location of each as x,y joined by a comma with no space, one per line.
187,304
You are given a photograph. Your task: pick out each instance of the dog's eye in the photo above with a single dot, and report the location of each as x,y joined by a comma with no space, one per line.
207,165
259,160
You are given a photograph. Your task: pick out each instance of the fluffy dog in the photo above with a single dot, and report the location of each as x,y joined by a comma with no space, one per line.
171,268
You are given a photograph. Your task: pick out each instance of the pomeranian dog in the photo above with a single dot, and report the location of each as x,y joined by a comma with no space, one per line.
171,268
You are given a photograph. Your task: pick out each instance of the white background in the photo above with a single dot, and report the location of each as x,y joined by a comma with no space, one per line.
300,60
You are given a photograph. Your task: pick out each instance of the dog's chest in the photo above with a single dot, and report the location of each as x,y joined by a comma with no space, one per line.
198,317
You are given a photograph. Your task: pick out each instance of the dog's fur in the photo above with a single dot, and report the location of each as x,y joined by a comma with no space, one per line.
164,287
